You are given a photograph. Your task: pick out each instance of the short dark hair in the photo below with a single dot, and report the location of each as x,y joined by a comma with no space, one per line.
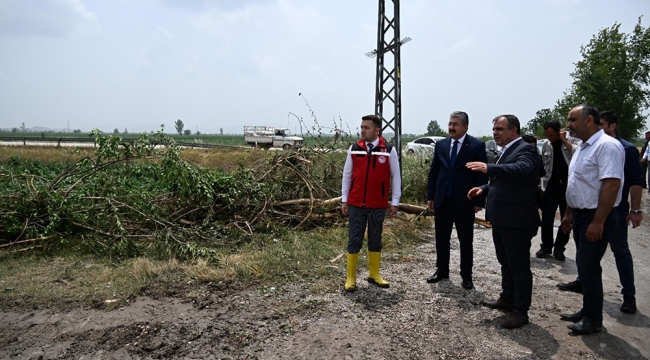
647,132
376,120
512,121
462,116
590,110
529,139
552,124
609,117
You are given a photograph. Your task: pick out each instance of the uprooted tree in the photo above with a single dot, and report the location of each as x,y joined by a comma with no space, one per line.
140,196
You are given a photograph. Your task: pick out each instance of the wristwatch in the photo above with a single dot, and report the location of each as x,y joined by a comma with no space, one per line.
636,212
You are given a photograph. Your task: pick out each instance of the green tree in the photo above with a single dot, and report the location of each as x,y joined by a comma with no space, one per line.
115,131
535,126
433,129
614,74
187,132
179,126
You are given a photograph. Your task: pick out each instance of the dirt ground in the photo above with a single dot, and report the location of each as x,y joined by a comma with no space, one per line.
411,320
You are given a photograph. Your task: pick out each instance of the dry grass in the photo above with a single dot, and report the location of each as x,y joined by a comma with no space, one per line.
228,160
45,154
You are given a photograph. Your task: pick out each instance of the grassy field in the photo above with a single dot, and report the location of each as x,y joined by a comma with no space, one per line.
213,139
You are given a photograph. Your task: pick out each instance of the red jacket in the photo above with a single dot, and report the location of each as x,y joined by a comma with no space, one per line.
370,175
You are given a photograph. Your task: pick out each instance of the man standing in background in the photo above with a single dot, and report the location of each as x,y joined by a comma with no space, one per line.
371,168
449,182
556,153
644,161
627,213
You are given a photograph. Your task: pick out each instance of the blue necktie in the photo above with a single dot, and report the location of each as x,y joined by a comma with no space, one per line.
451,163
454,150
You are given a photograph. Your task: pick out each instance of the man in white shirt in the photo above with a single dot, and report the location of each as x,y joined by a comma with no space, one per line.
594,188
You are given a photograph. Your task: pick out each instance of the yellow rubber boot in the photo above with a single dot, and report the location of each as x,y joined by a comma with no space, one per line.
374,259
351,281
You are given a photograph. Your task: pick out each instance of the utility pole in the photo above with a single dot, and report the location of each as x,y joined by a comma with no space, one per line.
388,84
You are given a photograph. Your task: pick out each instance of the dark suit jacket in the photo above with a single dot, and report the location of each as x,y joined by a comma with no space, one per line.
462,179
511,191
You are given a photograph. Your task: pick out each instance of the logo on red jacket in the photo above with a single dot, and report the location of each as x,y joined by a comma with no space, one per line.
382,159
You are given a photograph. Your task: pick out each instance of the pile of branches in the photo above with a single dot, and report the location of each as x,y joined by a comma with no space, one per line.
141,196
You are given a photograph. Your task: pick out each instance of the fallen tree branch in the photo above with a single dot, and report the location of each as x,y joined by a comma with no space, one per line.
322,202
25,241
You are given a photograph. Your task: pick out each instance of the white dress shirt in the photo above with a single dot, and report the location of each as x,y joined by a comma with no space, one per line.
601,157
505,148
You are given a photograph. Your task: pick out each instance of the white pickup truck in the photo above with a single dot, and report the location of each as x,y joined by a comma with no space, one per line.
267,137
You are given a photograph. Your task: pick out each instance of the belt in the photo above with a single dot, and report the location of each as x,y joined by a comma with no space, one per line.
584,211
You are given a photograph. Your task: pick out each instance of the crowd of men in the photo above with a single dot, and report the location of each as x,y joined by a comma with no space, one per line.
592,176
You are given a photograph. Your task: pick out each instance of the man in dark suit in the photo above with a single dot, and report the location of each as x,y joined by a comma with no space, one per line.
512,211
449,182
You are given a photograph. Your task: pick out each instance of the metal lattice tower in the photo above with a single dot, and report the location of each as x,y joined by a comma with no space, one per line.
388,84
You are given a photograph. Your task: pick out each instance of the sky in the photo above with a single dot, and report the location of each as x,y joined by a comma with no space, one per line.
224,64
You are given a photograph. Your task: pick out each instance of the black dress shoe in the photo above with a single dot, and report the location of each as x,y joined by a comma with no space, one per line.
541,253
572,317
437,276
559,256
497,304
629,304
515,320
584,327
468,284
573,286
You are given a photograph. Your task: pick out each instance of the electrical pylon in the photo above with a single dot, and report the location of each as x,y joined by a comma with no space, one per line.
388,84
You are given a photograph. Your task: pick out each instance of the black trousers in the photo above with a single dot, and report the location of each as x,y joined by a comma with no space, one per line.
358,218
512,247
554,197
459,211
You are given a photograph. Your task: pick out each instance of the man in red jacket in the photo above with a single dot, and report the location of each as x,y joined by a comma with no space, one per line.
371,169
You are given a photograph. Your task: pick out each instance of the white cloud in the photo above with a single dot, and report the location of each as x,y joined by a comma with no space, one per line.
222,22
269,63
561,3
282,19
158,40
465,43
303,19
224,5
50,18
